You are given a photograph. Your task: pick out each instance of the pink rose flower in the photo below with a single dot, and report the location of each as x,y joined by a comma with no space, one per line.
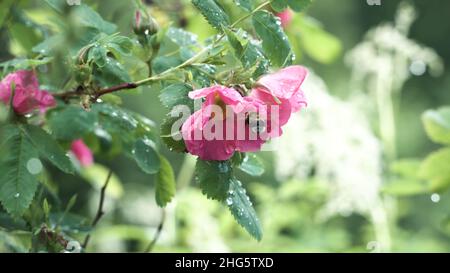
285,17
281,89
28,97
213,132
228,122
82,153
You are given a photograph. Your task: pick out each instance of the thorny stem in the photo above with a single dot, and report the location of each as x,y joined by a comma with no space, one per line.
100,211
190,61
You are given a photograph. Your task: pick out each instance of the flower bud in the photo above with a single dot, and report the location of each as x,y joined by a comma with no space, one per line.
144,26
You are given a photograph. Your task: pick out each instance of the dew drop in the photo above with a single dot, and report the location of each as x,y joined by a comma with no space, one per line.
229,201
435,198
17,195
34,166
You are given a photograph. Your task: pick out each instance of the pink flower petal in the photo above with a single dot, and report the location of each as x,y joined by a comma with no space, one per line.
27,96
284,83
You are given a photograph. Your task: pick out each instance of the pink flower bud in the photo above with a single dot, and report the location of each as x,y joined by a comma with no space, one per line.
285,17
82,153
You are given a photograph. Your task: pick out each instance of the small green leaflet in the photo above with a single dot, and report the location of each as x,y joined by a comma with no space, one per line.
249,54
146,156
213,13
214,178
252,165
176,94
173,141
274,40
242,209
165,183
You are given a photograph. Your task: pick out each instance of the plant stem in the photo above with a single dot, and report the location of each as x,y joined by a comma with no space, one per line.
152,244
100,211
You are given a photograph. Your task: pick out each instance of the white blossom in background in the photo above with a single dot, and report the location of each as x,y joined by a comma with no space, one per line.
382,63
333,139
388,48
201,226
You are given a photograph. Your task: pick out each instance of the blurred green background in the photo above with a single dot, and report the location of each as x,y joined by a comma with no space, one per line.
295,210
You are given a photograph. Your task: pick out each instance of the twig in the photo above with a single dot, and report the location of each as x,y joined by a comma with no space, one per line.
100,211
151,245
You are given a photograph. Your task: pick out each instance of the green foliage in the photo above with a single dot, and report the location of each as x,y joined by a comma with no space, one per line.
48,148
165,183
274,41
18,172
218,182
247,5
436,169
176,94
297,5
80,122
315,41
437,125
252,165
213,12
242,209
79,54
146,156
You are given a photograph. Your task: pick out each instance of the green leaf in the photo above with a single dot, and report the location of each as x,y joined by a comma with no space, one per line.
48,148
120,45
99,55
18,182
406,187
279,5
317,43
407,168
299,5
173,141
96,175
165,183
214,178
252,165
146,156
20,63
249,54
5,10
181,37
57,5
436,169
213,13
437,124
245,4
112,73
176,94
71,122
87,17
274,41
242,209
217,182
